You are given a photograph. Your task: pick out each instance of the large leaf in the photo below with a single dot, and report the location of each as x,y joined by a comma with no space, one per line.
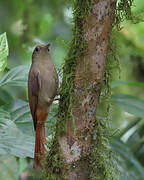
130,104
16,77
20,115
8,168
131,125
130,83
14,138
128,165
5,97
3,51
16,129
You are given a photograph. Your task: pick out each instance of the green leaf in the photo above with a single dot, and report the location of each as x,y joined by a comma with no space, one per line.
128,165
23,164
130,83
5,97
130,104
16,77
15,138
130,125
8,168
17,131
3,51
20,114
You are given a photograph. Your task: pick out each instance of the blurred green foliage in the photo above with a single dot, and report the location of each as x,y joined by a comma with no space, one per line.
30,22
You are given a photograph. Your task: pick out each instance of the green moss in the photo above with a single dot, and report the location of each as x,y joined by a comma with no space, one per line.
54,164
123,12
78,48
102,159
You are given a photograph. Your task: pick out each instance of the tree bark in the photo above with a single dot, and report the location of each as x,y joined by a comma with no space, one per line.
75,141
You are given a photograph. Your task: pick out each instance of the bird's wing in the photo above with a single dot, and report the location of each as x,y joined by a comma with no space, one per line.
34,85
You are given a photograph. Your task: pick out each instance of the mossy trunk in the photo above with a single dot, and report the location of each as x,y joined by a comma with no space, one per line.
75,153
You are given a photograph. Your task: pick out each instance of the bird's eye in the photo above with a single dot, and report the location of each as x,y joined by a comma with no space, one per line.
37,49
48,45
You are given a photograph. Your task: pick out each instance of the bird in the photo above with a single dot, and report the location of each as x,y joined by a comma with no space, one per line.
42,89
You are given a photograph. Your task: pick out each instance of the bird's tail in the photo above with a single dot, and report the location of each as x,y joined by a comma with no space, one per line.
40,140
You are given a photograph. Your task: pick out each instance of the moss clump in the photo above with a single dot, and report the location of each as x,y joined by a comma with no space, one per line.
54,164
101,157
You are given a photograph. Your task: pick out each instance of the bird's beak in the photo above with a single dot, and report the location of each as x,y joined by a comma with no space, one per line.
48,45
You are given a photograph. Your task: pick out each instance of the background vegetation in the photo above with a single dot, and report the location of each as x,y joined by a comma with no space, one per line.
30,22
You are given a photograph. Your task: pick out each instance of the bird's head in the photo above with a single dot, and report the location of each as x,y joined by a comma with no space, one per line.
41,52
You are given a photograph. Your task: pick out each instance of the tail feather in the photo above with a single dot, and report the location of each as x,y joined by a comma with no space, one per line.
39,146
40,138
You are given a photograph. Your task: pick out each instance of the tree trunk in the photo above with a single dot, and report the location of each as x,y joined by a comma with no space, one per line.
71,156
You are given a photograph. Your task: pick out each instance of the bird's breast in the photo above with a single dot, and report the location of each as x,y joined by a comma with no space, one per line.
48,89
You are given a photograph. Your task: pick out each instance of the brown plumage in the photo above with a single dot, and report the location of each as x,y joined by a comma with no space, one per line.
42,88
